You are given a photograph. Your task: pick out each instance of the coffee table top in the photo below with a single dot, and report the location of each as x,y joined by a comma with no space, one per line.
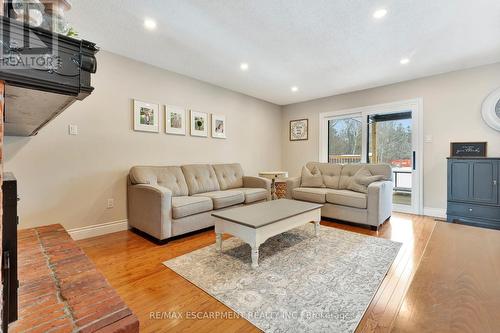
261,214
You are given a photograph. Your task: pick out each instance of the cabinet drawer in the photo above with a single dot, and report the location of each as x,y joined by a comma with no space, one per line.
469,210
473,221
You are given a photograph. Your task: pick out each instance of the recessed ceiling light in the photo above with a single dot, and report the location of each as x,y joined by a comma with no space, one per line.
149,24
379,13
294,89
244,66
404,61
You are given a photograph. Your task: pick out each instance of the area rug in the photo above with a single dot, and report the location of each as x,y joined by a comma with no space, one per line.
303,283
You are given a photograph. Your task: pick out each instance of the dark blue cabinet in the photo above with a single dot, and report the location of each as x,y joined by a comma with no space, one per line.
473,191
459,180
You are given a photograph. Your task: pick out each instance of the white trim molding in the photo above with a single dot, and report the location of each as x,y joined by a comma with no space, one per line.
435,212
98,229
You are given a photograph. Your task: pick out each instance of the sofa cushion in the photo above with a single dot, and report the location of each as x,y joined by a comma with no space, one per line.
310,194
361,179
170,177
311,178
330,173
347,198
229,175
350,170
254,194
200,178
223,199
186,206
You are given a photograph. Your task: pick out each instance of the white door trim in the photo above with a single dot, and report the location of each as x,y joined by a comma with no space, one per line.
415,105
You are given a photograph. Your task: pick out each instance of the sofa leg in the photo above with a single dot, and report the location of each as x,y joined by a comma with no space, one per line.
374,228
149,237
161,241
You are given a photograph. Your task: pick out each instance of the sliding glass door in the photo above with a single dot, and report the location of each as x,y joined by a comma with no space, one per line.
379,134
390,141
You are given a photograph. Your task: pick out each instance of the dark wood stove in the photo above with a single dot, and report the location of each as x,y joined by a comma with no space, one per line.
9,250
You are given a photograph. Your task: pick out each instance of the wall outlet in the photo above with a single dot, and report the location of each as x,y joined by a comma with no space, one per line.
73,129
111,203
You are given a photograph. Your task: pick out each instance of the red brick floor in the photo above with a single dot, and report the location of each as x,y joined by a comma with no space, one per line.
60,290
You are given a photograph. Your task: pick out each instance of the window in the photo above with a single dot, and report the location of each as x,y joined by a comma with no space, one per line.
384,133
344,140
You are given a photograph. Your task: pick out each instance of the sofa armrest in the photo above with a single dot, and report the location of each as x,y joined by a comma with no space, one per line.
258,182
291,183
379,202
149,209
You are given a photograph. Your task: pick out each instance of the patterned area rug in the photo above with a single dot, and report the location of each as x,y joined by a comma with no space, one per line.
303,283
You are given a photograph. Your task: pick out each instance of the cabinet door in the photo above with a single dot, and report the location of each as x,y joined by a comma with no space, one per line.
484,182
459,180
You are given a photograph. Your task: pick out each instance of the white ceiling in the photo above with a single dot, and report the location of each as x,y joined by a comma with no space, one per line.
324,47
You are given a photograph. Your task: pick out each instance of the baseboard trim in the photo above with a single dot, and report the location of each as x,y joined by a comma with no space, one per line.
98,229
435,212
121,225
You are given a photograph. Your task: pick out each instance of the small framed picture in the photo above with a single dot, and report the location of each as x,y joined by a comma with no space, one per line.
299,129
468,149
146,117
199,123
218,126
175,120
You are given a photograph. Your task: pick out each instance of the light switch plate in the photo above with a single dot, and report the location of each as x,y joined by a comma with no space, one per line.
73,129
428,138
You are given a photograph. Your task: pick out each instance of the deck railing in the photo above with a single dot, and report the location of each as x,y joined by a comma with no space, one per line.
344,159
402,179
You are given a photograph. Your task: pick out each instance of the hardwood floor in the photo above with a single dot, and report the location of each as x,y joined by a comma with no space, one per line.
133,265
456,286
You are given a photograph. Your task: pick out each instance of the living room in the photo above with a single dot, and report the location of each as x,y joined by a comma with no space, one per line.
244,166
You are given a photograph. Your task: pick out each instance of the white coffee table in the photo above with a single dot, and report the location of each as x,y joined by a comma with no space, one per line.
256,223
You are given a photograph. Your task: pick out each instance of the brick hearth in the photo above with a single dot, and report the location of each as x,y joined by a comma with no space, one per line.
62,291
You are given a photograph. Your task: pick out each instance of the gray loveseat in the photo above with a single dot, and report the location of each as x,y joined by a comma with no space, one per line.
167,201
372,208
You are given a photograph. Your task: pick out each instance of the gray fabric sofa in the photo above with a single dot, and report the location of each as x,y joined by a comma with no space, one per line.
372,208
167,201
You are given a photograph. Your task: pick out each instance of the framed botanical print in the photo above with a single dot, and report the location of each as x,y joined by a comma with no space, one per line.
175,120
199,123
146,116
299,129
218,126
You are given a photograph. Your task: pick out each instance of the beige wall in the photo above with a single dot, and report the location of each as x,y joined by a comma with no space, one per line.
452,104
68,179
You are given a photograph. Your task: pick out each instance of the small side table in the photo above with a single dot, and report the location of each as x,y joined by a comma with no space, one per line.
273,175
280,188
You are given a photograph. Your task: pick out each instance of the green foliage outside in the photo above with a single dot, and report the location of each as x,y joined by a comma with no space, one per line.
344,137
393,139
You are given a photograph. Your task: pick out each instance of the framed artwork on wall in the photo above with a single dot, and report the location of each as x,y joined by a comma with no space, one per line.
299,130
146,116
218,126
199,123
175,120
